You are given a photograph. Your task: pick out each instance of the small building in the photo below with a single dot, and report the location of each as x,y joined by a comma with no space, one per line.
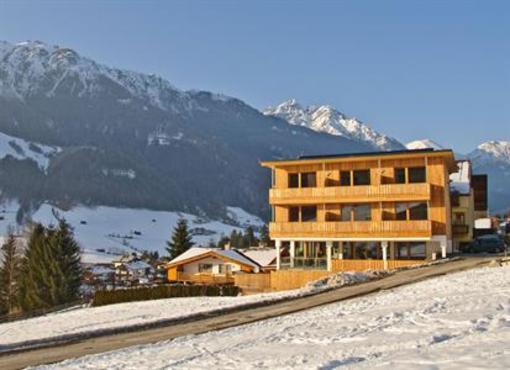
209,266
131,270
463,205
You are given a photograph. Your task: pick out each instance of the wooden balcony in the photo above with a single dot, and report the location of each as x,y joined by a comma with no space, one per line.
350,194
356,229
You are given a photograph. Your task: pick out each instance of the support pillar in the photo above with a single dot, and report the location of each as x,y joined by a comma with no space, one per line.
292,253
384,247
329,246
443,249
278,244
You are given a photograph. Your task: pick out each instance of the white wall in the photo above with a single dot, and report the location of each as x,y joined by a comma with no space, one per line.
192,268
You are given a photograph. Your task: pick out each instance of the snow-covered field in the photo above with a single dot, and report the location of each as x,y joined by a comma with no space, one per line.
87,319
458,321
106,232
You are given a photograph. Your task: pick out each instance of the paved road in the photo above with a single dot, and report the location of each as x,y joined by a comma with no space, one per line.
117,341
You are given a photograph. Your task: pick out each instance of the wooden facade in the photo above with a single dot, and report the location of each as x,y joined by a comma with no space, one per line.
386,197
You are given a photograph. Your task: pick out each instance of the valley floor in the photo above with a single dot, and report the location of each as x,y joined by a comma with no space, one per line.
459,321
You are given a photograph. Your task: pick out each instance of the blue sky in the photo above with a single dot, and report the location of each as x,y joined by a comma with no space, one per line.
411,69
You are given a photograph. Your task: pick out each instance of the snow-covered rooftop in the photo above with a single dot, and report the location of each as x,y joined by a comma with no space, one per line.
460,181
264,257
197,251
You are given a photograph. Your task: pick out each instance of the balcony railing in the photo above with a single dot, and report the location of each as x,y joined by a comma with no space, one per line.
205,278
459,229
339,194
356,229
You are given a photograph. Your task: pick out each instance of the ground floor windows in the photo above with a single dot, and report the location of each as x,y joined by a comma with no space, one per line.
410,250
205,267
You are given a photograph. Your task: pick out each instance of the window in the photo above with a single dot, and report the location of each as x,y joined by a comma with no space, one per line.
401,211
333,216
459,218
205,267
346,213
225,269
347,250
293,180
367,250
409,250
294,214
308,180
416,174
361,177
309,214
418,211
400,175
345,178
362,212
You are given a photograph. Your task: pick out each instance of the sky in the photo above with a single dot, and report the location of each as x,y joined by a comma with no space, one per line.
409,69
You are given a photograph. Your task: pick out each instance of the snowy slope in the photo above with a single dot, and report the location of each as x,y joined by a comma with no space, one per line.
327,119
423,144
456,321
106,232
22,149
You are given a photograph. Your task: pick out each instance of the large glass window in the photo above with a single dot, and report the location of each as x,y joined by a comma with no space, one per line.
417,174
294,214
345,178
401,211
308,180
362,212
400,175
418,211
361,177
309,213
293,180
347,250
410,250
346,213
367,250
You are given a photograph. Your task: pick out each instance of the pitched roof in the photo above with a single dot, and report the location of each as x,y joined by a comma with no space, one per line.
264,257
196,252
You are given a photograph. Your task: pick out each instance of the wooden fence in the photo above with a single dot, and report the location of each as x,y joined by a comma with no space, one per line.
294,279
253,283
205,278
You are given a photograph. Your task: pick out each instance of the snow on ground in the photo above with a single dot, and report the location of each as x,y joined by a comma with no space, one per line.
457,321
106,232
87,319
22,149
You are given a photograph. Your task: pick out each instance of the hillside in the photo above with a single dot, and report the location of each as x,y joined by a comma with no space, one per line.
127,139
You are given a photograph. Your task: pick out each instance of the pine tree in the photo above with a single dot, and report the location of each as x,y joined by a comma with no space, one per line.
249,238
36,280
264,236
10,273
235,239
68,272
181,240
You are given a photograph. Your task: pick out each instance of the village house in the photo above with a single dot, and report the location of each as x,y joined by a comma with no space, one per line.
463,205
359,211
131,270
210,266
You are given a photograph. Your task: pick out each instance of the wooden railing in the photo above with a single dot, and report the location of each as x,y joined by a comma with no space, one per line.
371,264
205,278
356,229
459,229
347,194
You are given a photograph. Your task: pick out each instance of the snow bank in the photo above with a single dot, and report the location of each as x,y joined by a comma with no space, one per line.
456,321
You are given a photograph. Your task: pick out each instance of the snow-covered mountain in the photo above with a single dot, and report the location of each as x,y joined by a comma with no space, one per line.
325,118
77,132
423,144
492,152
